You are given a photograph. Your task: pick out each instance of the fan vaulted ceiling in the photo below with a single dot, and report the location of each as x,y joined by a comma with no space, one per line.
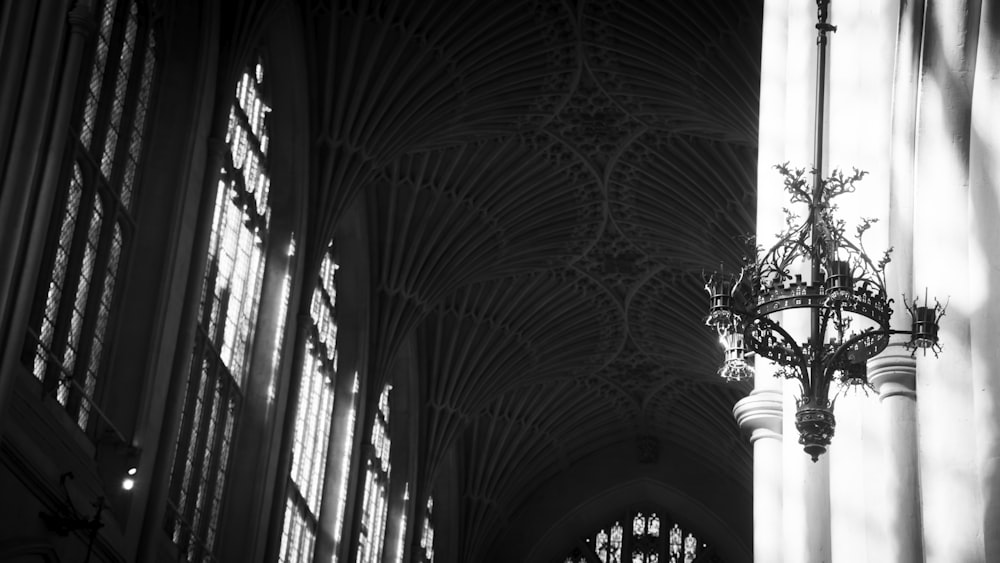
546,182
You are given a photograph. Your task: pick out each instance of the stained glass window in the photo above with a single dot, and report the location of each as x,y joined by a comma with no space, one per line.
227,318
92,220
427,534
376,499
313,415
644,541
608,544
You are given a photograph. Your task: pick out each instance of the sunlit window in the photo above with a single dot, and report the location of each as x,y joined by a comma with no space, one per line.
92,223
313,416
226,321
646,541
608,544
427,534
345,464
403,521
376,505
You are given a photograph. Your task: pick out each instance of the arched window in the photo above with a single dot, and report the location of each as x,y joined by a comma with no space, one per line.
227,318
92,223
646,540
427,534
313,415
376,498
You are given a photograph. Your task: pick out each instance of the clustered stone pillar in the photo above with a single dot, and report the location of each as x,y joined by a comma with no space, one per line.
759,415
893,374
985,271
933,464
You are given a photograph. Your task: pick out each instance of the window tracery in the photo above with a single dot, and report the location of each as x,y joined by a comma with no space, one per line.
314,413
643,541
376,498
227,318
93,219
427,533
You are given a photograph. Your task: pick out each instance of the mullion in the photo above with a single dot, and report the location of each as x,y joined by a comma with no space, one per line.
116,41
59,212
208,294
321,348
224,395
247,203
71,283
182,447
129,104
299,501
202,453
91,310
244,121
121,220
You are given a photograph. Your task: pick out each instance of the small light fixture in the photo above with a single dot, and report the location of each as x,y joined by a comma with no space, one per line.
128,483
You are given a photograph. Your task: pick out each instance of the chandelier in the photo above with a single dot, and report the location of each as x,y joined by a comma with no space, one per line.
815,303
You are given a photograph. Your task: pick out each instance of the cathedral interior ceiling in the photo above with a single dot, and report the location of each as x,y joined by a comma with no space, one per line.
546,183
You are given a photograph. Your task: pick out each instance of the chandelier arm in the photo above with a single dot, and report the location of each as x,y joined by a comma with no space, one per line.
832,363
859,250
793,244
788,340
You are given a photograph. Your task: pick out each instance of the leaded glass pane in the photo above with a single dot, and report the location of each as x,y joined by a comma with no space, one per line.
644,543
675,543
228,308
96,81
427,534
375,506
138,122
121,87
73,312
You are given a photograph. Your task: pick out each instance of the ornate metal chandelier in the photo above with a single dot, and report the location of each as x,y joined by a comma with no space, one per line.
817,280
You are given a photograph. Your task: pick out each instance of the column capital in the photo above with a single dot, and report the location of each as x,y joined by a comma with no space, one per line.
894,372
759,414
81,20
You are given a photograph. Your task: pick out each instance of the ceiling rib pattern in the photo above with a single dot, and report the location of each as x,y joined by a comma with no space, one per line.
521,440
397,75
441,218
546,181
494,336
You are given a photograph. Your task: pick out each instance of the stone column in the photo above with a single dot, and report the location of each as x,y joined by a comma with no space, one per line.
893,373
759,415
985,271
151,536
952,513
860,103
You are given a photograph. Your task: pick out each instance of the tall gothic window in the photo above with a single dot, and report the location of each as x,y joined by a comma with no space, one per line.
92,220
376,498
312,422
646,540
226,320
345,464
427,534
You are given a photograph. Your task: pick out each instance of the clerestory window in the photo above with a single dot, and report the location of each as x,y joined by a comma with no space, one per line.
227,318
313,415
92,222
643,538
376,493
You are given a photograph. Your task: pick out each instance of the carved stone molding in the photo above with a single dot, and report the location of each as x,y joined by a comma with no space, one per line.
759,414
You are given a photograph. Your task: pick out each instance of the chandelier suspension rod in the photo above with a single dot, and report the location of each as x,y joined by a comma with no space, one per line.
815,377
844,292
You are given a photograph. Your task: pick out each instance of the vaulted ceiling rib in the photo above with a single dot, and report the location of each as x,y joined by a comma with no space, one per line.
546,181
